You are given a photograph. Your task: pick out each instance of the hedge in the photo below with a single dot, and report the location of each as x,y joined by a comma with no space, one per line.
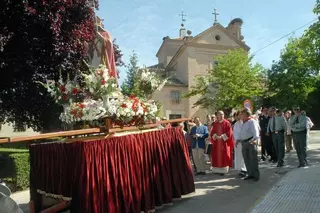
15,168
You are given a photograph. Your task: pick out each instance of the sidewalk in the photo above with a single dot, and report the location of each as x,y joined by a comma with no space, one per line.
298,191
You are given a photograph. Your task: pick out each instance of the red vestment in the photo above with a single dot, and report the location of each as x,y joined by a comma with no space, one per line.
222,149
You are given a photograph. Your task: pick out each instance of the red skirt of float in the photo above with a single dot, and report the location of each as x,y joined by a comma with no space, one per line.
132,173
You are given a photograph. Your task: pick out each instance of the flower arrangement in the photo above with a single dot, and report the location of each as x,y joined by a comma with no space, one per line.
63,92
131,110
99,83
100,89
149,82
88,110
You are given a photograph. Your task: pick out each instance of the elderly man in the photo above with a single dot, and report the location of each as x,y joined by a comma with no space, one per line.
222,145
248,137
199,133
277,127
298,125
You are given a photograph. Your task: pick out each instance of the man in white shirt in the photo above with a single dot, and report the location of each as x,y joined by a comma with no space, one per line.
309,126
248,137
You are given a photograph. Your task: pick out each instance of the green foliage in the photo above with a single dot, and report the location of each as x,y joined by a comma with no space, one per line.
22,169
291,78
294,79
230,82
132,71
15,167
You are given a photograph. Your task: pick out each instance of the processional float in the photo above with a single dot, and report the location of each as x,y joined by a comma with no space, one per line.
127,166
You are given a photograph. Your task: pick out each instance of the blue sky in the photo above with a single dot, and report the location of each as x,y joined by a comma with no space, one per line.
140,25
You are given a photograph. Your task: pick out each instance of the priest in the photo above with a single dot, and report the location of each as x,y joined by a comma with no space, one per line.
222,145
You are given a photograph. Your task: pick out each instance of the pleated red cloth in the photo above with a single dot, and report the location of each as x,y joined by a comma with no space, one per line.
126,174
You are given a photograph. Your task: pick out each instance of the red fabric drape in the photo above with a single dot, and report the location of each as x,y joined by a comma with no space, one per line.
131,173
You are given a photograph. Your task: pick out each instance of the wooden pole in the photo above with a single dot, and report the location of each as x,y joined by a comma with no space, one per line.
109,129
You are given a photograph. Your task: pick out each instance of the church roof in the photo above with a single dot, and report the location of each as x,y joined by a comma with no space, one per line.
185,44
241,44
175,81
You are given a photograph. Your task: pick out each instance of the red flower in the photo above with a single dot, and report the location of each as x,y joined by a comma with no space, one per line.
103,82
132,96
62,88
124,105
64,97
74,112
74,91
81,106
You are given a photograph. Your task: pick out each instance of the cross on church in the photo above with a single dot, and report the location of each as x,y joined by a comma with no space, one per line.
182,18
215,13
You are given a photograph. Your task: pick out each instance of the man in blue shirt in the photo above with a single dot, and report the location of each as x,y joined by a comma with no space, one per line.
199,133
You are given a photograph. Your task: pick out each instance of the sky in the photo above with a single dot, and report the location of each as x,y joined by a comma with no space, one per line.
140,25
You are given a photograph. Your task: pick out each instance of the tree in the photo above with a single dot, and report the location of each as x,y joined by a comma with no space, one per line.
118,56
291,78
311,42
232,80
132,71
38,39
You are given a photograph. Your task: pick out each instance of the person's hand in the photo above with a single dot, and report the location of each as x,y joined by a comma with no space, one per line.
237,142
197,135
254,142
267,134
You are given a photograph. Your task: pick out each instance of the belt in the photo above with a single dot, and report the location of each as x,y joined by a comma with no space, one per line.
279,131
247,140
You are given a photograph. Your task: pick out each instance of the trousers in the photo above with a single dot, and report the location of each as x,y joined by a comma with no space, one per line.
198,159
250,156
300,143
288,139
278,142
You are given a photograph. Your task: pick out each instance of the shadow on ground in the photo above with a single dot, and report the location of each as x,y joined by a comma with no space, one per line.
224,194
24,207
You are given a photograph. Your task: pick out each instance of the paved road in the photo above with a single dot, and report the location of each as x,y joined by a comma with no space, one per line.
216,194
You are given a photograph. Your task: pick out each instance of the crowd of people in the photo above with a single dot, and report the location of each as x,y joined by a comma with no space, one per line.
233,142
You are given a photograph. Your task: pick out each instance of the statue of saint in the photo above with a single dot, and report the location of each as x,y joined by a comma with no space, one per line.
101,50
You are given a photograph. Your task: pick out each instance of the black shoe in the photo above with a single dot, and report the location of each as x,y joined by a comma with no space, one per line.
270,160
197,173
274,161
202,173
248,178
255,179
280,165
242,174
222,174
263,159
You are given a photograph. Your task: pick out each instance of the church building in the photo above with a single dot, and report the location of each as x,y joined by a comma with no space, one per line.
183,58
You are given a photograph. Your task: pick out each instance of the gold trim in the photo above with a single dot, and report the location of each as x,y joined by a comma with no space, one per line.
61,197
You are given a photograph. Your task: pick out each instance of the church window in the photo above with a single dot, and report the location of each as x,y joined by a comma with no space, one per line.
174,116
217,37
175,97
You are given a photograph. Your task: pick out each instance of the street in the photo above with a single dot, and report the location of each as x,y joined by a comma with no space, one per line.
225,194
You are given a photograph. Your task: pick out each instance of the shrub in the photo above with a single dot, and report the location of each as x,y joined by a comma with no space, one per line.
15,168
22,170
